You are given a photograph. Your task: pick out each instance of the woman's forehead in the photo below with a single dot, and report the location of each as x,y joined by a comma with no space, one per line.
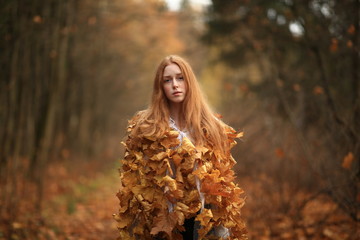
171,69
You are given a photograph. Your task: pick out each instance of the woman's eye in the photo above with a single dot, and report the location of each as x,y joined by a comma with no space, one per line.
180,78
167,80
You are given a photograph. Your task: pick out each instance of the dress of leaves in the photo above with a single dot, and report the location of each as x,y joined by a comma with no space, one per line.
146,188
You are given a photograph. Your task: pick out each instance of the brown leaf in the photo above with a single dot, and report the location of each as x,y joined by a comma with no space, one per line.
165,222
348,160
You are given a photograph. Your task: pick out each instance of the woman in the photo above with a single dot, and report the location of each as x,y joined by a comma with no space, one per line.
176,177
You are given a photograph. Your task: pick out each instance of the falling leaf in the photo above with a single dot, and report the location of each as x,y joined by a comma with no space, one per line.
318,90
348,160
37,19
16,225
296,87
351,29
334,45
279,153
92,20
349,44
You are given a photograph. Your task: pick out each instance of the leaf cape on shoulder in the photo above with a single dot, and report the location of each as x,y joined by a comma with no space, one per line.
149,182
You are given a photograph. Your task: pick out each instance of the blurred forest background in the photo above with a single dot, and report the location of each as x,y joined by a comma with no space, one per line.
286,72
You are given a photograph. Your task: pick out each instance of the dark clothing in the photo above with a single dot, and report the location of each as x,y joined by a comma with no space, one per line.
189,232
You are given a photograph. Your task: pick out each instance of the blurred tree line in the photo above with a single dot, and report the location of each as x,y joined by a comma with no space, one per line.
293,67
73,72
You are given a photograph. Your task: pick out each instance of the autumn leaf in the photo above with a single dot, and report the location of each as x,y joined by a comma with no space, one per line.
170,140
351,29
334,45
176,159
124,235
212,188
204,218
318,90
37,19
187,146
348,160
124,221
279,153
160,156
164,222
236,135
169,182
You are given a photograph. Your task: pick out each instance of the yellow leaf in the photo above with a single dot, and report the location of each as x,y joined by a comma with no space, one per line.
187,146
159,156
169,182
204,217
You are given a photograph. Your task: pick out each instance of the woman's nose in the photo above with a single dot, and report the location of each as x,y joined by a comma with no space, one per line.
175,83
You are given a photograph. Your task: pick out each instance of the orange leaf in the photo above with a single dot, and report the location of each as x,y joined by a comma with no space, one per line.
347,160
204,217
37,19
351,29
279,153
318,90
334,45
176,159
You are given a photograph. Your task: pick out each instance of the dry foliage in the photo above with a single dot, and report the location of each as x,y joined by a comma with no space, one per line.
147,188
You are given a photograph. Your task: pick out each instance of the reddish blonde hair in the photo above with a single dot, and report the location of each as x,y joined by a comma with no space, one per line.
198,118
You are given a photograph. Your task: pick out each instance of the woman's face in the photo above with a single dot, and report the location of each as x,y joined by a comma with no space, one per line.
174,83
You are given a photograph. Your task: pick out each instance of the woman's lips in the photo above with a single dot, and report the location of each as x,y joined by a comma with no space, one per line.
177,93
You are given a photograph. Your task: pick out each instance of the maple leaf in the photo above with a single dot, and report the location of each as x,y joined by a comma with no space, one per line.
171,140
216,189
192,196
164,222
160,156
147,192
187,146
124,220
169,182
176,159
348,160
129,178
204,218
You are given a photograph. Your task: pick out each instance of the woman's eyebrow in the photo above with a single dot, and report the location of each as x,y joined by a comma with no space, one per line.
169,76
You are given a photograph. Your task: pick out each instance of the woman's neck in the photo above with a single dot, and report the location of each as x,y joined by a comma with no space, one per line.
177,115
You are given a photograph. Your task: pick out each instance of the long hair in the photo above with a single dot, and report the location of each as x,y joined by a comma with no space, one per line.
198,118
